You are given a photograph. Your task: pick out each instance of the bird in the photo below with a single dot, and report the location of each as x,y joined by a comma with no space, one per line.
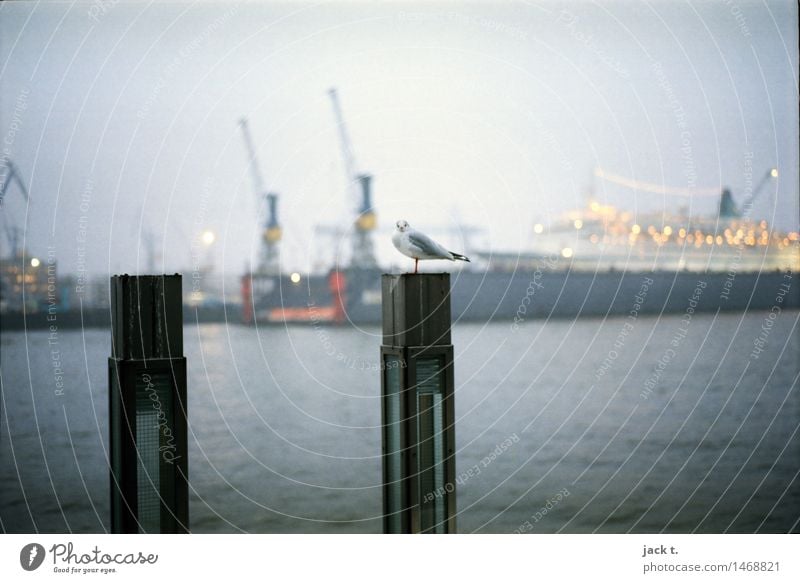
416,245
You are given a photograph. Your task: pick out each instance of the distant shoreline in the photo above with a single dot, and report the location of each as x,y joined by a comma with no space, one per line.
101,318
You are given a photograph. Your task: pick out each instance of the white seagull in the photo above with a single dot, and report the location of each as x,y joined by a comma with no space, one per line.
418,245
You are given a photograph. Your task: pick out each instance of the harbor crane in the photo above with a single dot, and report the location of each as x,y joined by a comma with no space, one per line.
269,257
360,189
12,231
771,173
727,206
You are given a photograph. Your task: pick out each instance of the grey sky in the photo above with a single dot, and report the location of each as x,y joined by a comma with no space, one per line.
481,112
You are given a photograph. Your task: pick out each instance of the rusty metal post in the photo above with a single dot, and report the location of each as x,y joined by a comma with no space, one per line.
147,406
418,417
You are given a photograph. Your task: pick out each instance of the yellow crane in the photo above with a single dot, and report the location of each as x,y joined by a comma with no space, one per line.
360,188
269,259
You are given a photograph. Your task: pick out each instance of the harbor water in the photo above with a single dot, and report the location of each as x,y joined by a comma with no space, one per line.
679,423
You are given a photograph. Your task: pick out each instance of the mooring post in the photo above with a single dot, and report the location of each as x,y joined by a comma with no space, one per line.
147,406
417,409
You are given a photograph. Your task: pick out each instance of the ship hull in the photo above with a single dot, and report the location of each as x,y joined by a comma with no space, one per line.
520,296
570,294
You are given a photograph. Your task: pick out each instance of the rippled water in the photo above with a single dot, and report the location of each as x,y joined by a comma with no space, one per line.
285,437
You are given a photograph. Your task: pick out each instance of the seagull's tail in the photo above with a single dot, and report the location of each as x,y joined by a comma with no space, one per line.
458,257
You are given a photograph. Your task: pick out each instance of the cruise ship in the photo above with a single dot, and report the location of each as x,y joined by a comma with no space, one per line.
591,262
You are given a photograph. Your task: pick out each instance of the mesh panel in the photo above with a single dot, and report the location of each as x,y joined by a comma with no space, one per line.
116,442
153,418
432,488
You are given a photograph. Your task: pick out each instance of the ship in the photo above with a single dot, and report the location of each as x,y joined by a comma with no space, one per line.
596,261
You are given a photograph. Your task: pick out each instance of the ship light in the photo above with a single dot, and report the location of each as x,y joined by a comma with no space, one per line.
774,172
566,252
295,277
538,228
35,262
578,224
208,237
636,229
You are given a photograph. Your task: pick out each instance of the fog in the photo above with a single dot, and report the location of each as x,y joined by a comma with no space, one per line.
122,119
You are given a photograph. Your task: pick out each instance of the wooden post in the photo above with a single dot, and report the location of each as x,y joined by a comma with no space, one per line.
418,417
147,406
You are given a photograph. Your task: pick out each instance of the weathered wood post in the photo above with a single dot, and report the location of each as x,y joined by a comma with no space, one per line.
418,419
147,406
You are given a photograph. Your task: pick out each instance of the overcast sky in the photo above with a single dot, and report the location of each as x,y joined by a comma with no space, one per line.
122,117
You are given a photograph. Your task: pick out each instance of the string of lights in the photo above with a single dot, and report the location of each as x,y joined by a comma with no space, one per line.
654,188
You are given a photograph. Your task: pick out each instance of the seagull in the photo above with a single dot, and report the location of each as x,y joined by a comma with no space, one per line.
418,245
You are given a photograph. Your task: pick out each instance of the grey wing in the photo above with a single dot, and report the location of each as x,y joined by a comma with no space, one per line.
428,246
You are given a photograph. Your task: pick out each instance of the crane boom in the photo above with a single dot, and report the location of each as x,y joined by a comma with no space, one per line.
13,175
771,173
348,154
255,171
